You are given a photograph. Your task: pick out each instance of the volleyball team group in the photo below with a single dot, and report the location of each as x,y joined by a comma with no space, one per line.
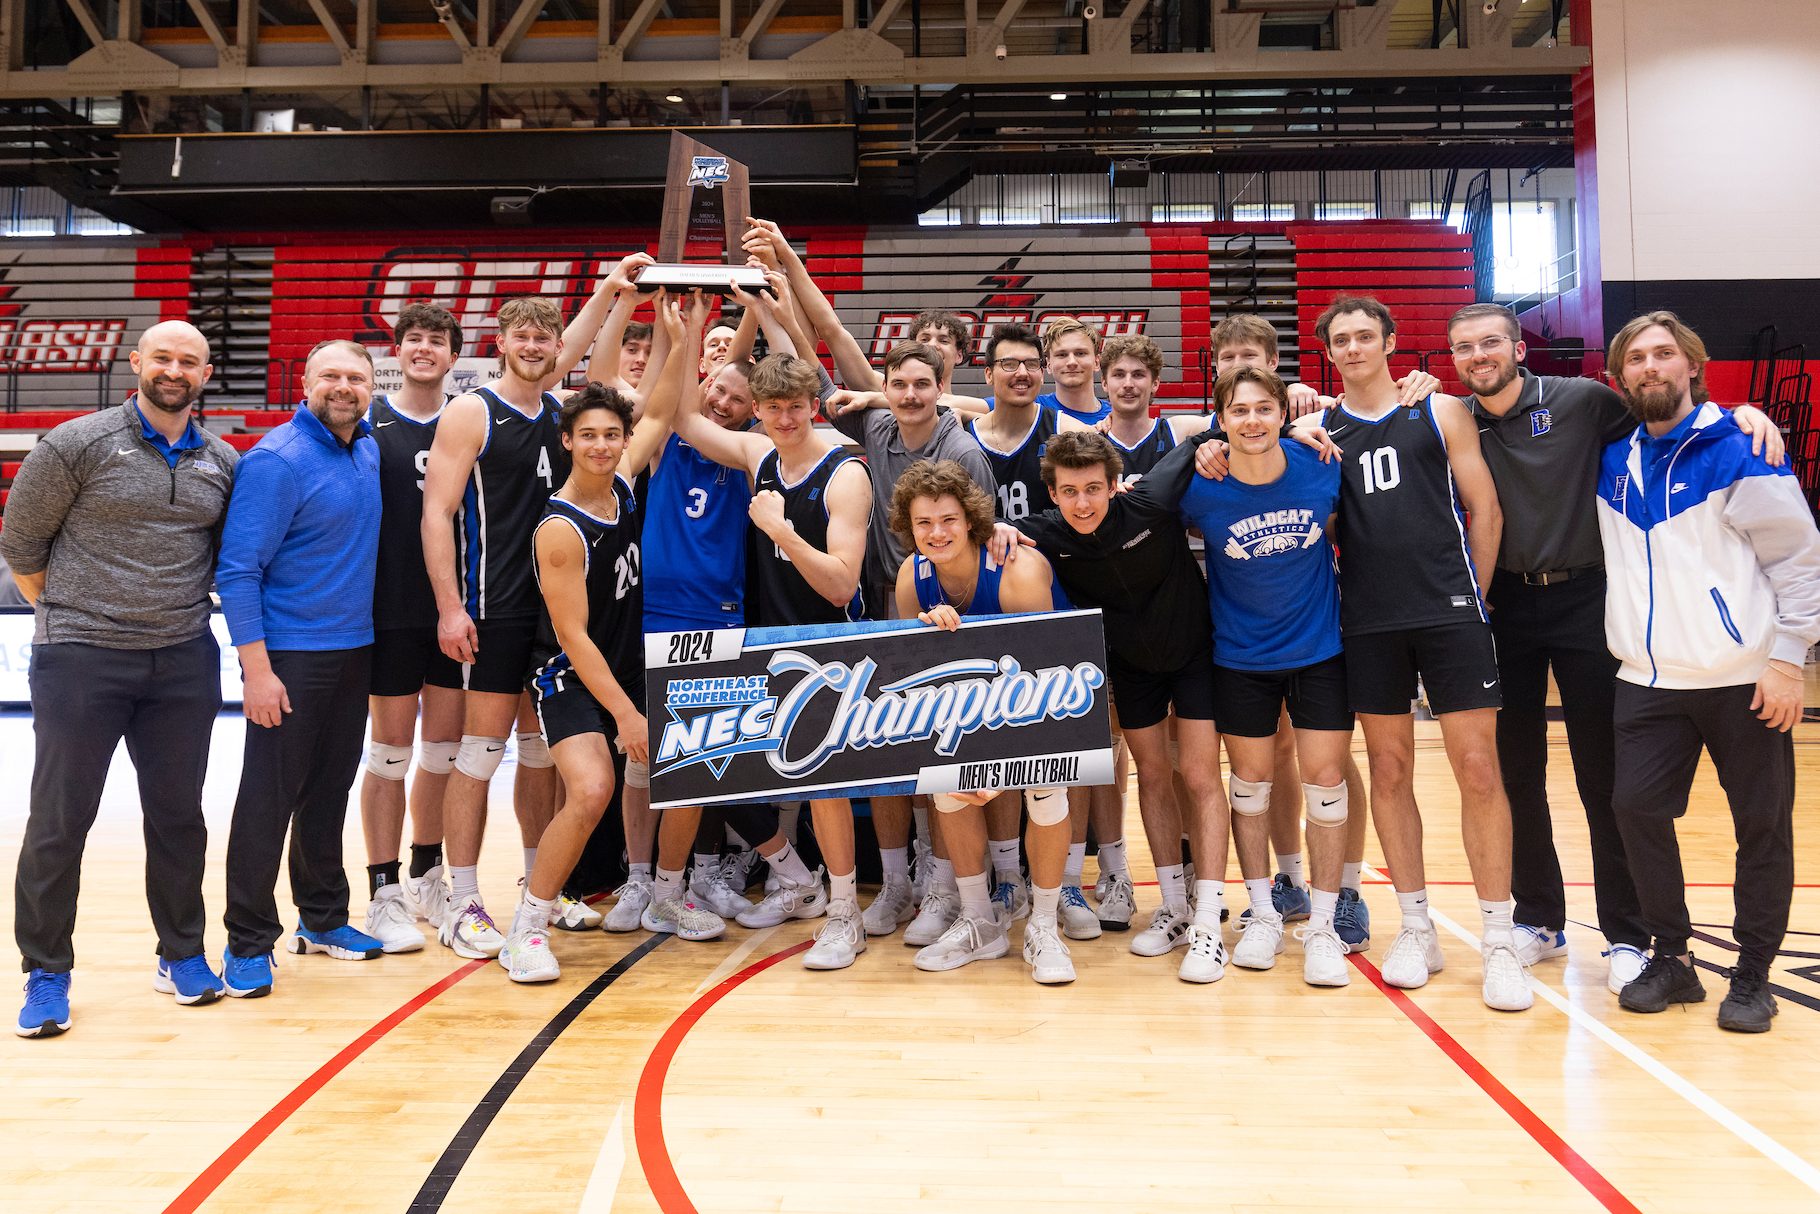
453,577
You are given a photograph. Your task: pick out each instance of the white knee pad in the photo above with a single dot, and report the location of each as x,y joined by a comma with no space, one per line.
948,803
638,775
437,758
478,757
1046,806
1326,806
1250,798
388,762
533,751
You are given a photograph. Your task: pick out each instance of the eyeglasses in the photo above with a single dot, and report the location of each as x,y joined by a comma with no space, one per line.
1010,365
1491,345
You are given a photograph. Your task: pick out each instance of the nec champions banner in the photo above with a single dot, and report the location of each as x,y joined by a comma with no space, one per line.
877,709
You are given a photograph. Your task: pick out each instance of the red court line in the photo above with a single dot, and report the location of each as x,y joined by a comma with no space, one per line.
212,1176
1590,1178
648,1104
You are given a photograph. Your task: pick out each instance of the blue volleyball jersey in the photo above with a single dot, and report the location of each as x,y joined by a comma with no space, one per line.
929,593
695,526
1270,564
1103,409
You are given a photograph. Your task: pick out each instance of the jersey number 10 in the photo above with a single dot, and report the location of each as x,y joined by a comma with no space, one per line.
1380,469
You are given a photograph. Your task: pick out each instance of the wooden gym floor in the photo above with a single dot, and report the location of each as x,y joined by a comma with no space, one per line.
724,1077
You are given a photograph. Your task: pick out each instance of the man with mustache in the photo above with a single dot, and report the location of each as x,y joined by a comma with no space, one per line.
111,531
299,552
1541,436
1714,602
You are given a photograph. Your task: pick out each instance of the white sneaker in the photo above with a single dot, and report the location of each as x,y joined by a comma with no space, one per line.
391,921
1117,904
1260,940
428,896
1078,920
574,915
939,909
708,887
921,859
470,932
1323,957
526,957
1413,956
1206,958
788,902
684,920
1626,961
633,898
736,870
1168,930
1506,979
1045,953
1101,886
894,906
965,941
840,940
1012,898
1535,944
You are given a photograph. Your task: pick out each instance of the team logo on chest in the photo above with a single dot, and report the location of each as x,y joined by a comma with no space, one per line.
1271,533
1540,423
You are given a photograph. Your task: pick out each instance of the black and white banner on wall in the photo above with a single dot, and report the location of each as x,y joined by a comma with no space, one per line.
876,709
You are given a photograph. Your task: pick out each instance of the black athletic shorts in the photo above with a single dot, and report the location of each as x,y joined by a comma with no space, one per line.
1143,698
405,660
502,661
1249,703
1458,664
566,708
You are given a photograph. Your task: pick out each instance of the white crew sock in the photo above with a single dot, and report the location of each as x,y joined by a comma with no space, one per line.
842,888
1044,902
1350,876
1077,863
1112,859
1496,917
533,913
1209,898
1004,858
976,902
464,884
1258,891
1169,881
1321,904
1291,863
1414,906
788,866
667,885
896,861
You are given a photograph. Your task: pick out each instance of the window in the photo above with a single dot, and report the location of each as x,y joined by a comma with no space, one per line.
1184,212
1262,212
1526,257
1345,210
87,223
1011,215
940,217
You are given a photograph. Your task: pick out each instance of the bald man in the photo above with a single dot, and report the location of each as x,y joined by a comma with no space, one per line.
111,531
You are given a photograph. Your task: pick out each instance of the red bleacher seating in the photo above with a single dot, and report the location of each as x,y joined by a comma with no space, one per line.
9,470
242,442
40,419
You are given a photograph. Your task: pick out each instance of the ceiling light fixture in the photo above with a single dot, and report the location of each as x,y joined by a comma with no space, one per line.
673,98
1058,96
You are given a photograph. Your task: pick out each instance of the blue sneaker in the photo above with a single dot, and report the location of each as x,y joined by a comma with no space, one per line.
345,943
1352,921
1290,899
188,978
47,1004
247,977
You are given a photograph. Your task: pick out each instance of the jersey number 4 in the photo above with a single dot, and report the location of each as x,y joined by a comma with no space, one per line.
1380,469
543,468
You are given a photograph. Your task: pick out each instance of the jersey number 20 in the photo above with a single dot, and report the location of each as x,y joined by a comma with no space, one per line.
625,572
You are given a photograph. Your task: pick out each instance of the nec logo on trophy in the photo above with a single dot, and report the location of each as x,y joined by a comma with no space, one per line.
706,200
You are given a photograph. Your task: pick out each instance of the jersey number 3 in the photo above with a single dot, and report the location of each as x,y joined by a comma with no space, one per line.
1380,469
698,503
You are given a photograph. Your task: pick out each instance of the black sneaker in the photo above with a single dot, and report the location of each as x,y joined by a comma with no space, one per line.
1748,1007
1664,980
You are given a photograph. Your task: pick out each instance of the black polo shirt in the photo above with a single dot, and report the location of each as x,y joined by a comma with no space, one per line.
1544,459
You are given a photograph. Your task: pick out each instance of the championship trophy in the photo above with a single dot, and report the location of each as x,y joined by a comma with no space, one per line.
706,201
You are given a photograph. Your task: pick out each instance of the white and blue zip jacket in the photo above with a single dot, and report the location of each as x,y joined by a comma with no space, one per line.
1712,557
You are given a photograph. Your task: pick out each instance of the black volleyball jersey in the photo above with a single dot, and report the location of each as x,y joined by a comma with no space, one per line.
1146,453
616,598
521,463
1019,472
402,597
1404,561
784,597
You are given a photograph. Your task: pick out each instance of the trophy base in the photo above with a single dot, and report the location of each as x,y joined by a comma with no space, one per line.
702,276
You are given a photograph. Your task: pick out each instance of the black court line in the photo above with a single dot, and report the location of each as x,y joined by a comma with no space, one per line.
455,1156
